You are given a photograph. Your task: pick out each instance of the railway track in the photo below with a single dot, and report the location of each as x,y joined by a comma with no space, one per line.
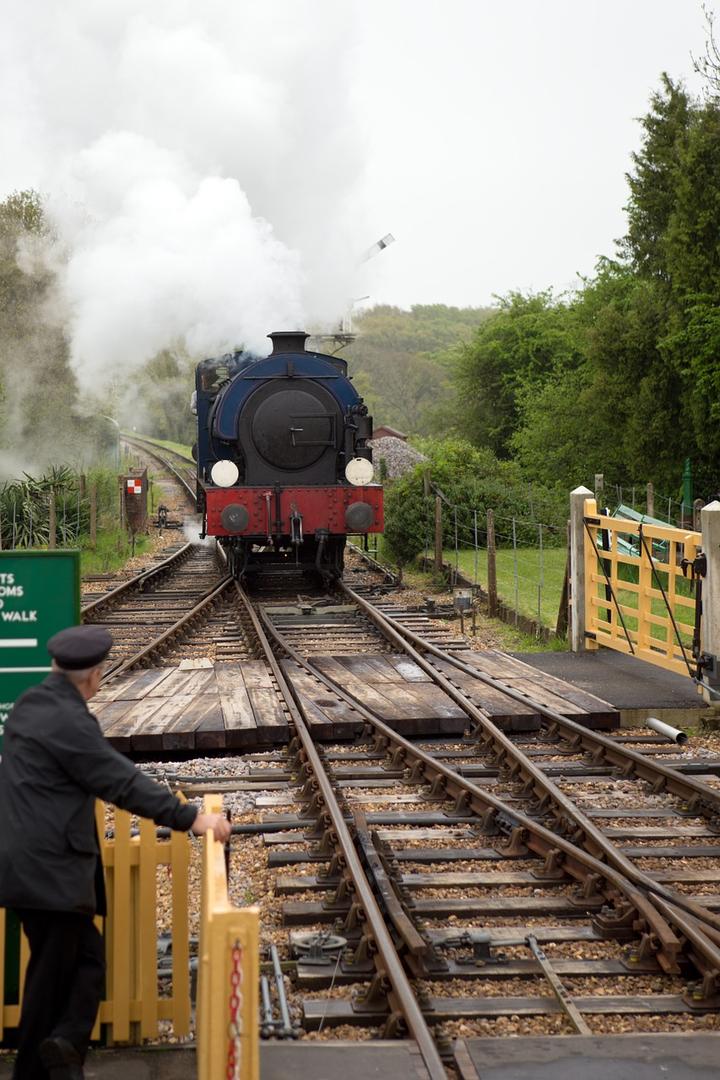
553,881
560,882
176,464
181,608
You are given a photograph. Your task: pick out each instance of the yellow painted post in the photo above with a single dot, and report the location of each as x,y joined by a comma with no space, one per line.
615,624
672,649
229,943
147,930
645,582
101,923
180,862
121,929
24,959
591,571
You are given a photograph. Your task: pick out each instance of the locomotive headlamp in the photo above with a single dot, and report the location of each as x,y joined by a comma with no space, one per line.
359,471
224,473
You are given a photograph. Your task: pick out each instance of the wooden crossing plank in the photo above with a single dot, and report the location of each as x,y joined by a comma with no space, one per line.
182,733
183,682
375,669
370,696
493,702
149,736
408,669
134,686
240,724
209,733
511,670
433,701
334,708
108,714
267,708
329,723
191,717
134,717
256,673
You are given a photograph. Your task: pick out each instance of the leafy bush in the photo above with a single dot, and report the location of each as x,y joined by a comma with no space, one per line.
25,506
469,479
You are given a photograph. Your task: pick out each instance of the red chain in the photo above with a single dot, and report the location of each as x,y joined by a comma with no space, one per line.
234,1059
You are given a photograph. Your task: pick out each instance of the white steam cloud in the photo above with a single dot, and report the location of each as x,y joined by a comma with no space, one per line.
200,163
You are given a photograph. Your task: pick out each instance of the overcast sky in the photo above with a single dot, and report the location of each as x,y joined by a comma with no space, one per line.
498,135
215,169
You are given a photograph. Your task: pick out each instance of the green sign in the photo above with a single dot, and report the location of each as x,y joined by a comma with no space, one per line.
39,595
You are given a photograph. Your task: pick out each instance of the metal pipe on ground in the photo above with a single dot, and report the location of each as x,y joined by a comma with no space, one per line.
672,733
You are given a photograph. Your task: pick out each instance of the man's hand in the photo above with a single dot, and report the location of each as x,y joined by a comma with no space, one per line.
219,824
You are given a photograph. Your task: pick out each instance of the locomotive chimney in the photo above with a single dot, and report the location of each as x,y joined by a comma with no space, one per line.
285,341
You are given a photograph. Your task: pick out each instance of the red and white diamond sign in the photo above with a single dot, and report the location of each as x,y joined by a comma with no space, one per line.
134,487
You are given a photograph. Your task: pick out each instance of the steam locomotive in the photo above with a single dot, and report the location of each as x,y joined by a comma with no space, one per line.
284,470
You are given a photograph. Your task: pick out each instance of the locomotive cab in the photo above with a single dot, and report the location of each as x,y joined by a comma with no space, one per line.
279,442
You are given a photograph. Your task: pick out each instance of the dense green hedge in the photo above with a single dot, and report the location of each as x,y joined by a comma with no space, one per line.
470,479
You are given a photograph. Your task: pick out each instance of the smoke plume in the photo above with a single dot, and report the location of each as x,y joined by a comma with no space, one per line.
199,164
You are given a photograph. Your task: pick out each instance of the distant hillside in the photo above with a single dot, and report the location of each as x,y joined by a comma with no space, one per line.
399,361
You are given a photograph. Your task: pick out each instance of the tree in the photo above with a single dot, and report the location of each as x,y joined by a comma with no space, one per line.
38,391
528,339
654,180
399,362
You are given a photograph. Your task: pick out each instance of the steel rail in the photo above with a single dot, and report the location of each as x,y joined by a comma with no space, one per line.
140,580
697,794
525,832
154,451
390,576
544,788
387,962
142,655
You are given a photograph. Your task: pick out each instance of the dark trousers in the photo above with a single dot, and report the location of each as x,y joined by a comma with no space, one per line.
63,984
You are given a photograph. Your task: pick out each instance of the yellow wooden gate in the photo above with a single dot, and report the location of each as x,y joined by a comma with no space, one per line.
637,598
146,880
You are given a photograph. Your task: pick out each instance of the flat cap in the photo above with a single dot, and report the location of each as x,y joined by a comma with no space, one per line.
80,647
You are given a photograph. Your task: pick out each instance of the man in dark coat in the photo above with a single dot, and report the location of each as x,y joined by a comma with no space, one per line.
55,763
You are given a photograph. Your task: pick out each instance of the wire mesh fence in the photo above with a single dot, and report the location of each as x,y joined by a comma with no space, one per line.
644,499
523,562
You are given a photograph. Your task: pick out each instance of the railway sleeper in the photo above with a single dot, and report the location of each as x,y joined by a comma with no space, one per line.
335,1012
310,976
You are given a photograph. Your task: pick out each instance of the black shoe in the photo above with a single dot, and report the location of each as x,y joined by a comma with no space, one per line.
61,1059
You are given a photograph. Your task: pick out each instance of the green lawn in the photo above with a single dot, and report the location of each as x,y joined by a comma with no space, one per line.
539,578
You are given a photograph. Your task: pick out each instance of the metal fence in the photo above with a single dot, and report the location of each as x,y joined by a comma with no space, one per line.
520,563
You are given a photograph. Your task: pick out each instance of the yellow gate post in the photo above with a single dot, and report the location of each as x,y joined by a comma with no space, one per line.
227,1012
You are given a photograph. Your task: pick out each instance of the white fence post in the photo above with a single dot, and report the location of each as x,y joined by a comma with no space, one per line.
577,567
710,525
